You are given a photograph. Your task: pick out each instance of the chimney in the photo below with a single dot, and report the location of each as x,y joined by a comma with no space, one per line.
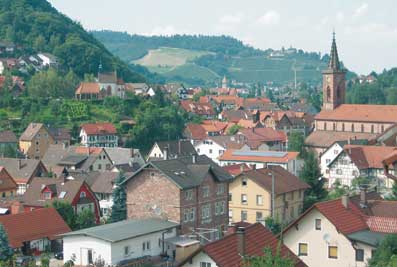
241,240
165,153
194,158
345,201
19,164
363,197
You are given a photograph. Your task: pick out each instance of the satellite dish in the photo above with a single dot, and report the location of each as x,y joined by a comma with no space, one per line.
327,238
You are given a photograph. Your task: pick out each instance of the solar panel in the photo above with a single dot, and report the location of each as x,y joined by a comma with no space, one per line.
276,154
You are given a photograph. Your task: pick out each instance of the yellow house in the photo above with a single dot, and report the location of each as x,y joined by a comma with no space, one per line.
35,141
8,187
250,195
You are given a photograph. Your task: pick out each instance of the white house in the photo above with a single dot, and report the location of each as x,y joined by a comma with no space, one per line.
47,59
99,135
360,161
214,146
340,232
118,242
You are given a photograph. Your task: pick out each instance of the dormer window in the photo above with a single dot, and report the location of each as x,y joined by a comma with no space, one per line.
47,195
82,194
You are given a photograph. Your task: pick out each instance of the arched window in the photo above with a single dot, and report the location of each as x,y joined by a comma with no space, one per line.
362,128
328,94
372,128
334,126
343,127
352,127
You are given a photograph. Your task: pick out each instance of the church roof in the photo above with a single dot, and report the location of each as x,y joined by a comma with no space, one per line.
360,113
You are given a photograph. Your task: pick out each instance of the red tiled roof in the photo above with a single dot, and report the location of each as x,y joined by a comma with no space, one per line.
195,131
365,157
197,108
382,224
225,252
37,224
264,135
99,128
88,88
363,113
88,150
236,169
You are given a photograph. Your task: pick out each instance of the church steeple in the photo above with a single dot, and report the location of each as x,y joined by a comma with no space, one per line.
334,60
334,87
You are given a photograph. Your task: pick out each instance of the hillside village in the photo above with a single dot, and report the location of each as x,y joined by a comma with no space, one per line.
103,168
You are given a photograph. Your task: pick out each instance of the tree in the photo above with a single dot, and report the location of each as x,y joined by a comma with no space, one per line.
234,129
119,208
338,190
269,259
66,211
311,174
296,142
6,251
273,225
386,253
85,219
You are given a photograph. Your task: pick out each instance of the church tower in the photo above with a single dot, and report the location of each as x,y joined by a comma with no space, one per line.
224,82
334,87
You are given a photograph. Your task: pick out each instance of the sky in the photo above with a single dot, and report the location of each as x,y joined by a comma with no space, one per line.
366,31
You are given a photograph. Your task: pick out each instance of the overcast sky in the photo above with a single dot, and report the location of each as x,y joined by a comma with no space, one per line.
366,31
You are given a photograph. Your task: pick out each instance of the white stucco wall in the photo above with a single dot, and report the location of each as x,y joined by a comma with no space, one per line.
328,157
210,149
79,245
318,246
198,259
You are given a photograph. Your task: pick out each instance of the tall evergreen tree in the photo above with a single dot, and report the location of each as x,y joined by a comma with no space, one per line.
311,174
6,251
119,208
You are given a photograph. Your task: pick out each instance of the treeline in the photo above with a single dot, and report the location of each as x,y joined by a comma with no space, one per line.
381,91
35,26
130,47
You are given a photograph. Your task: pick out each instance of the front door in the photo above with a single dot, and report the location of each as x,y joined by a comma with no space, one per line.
89,256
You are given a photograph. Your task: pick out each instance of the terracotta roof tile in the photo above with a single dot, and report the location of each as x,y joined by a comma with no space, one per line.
88,88
197,108
325,139
236,169
195,131
31,131
99,128
264,135
29,226
364,113
382,224
365,157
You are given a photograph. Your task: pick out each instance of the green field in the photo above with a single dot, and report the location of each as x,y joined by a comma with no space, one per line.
192,71
166,57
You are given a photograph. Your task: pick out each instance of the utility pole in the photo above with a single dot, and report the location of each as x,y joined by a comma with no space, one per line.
273,195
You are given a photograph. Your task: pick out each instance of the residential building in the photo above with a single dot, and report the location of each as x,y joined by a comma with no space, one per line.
194,193
339,121
214,146
48,60
137,88
99,135
108,84
36,231
288,121
263,159
61,136
197,132
8,187
35,140
77,158
23,171
204,110
361,161
230,250
124,242
333,151
251,198
264,139
125,159
8,140
43,191
341,232
171,150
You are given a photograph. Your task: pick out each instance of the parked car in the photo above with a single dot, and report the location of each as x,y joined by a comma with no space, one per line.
24,261
58,255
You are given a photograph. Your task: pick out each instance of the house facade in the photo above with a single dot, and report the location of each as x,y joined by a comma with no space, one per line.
99,135
194,193
117,243
35,140
8,187
250,196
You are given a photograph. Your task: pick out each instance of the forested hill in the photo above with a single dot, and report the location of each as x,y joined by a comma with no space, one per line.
201,59
381,91
36,26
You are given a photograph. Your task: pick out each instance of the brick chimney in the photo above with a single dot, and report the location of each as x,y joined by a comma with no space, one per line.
363,197
165,153
241,241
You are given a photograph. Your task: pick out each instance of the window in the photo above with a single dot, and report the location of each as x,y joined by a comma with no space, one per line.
259,216
3,195
205,264
230,215
343,127
230,196
336,152
359,255
318,224
327,161
372,129
338,171
302,250
82,194
206,191
220,189
291,212
143,246
206,212
259,200
244,182
244,215
220,208
332,252
244,199
198,150
99,166
126,250
352,127
355,173
189,195
47,195
362,128
210,151
148,245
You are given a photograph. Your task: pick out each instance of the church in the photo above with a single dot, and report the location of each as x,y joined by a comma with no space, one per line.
338,121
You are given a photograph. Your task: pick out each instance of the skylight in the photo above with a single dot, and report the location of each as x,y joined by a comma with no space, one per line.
62,194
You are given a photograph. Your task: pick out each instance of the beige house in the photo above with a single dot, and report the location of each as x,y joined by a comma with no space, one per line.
35,140
342,232
250,195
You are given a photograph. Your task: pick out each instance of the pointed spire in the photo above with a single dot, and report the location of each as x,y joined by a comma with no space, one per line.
334,60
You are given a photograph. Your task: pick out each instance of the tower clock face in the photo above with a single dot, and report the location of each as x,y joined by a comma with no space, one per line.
328,79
